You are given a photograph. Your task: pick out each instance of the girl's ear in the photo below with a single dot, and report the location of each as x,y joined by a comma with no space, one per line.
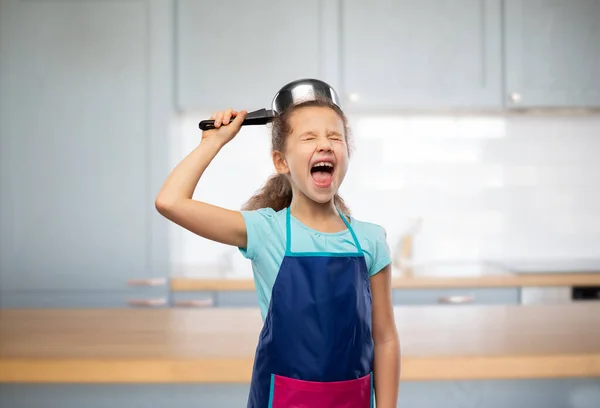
280,163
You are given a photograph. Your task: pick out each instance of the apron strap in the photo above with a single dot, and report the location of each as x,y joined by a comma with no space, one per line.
288,233
351,231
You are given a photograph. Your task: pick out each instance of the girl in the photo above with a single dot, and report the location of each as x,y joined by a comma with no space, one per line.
323,277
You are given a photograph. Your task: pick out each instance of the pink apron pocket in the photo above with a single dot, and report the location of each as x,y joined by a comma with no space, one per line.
291,393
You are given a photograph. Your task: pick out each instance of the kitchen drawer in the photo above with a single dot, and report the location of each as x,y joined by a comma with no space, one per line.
456,296
242,298
196,299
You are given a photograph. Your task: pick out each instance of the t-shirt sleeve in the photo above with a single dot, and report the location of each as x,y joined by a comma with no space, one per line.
381,253
259,225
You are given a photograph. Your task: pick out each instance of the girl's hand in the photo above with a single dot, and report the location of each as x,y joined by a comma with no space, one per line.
227,125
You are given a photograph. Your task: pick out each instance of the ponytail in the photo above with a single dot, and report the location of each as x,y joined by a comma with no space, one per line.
275,194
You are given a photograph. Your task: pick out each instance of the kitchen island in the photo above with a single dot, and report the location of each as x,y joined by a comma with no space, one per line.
555,348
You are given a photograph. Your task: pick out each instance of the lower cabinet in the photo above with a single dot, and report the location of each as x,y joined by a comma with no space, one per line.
401,297
159,296
548,393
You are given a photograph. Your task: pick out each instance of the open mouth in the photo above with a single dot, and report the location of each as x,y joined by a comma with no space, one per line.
322,173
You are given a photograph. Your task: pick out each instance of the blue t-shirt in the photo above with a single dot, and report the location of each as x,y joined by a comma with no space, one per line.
266,230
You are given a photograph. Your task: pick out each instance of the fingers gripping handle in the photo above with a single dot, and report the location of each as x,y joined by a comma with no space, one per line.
210,124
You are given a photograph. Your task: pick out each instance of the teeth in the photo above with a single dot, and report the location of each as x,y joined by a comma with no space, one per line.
327,164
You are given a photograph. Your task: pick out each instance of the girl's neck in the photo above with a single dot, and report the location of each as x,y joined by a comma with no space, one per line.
323,217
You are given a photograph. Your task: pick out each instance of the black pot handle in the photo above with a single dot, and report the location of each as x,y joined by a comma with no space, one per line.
258,117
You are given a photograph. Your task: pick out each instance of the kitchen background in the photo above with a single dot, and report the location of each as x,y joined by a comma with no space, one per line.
442,100
476,126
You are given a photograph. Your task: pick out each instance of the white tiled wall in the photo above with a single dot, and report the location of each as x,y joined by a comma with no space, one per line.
485,187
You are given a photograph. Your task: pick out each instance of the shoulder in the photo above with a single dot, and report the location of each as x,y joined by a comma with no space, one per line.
262,225
263,217
373,240
369,231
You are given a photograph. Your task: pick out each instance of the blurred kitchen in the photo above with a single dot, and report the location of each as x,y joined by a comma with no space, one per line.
476,129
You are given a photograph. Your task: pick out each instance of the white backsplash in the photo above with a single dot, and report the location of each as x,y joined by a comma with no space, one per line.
486,187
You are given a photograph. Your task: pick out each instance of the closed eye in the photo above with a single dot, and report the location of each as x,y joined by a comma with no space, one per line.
308,136
312,136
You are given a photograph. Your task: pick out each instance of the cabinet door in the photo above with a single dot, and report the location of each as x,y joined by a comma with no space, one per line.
233,53
426,54
552,53
82,130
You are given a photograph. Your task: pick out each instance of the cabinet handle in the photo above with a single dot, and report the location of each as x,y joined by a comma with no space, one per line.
515,97
194,303
147,282
147,302
456,300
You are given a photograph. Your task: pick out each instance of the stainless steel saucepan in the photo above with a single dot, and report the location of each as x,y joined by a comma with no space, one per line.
295,92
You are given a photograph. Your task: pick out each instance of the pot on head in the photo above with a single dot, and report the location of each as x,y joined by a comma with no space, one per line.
294,93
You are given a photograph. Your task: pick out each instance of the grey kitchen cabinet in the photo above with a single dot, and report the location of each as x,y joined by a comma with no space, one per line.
457,296
426,54
546,393
240,53
552,53
84,111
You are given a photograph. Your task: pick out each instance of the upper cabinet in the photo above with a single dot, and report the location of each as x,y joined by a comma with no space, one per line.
426,54
552,54
391,54
238,54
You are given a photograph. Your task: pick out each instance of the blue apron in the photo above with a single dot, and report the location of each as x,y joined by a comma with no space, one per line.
316,347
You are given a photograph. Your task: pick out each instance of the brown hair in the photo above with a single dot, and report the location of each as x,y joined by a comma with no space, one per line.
277,191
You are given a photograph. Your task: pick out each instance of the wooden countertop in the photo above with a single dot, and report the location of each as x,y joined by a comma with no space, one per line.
217,345
421,277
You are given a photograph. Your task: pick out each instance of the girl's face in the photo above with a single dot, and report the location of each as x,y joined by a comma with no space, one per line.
316,153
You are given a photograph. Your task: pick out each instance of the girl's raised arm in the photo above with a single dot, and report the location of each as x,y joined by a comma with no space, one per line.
174,200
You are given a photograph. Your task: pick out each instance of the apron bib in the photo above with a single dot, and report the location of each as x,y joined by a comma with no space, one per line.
316,347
